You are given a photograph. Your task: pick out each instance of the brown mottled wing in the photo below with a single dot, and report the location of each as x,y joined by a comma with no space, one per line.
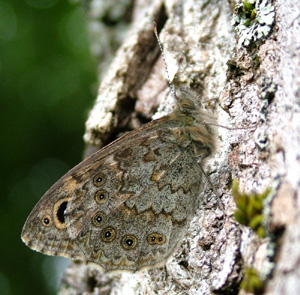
126,206
149,186
145,227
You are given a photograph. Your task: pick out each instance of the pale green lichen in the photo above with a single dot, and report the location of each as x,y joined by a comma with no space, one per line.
269,264
267,93
268,89
262,141
253,20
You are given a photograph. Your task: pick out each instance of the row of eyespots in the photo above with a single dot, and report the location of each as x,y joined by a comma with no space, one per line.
108,234
101,196
129,241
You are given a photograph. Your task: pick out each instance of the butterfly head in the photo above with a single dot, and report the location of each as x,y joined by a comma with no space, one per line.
197,131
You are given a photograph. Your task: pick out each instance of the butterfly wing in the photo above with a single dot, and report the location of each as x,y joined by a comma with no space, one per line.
126,206
45,228
143,230
149,186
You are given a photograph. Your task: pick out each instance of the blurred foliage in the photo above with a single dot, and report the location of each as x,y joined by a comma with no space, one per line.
47,75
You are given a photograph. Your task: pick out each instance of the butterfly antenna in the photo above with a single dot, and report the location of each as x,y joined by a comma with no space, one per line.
232,128
165,63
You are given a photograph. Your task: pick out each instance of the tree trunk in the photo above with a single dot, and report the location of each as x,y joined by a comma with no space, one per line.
244,63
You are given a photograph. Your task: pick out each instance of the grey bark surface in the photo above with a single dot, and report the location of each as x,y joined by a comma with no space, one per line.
248,76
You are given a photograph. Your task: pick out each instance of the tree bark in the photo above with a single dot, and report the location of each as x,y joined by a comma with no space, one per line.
245,65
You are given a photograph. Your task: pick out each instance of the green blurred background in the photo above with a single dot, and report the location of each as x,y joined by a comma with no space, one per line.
47,77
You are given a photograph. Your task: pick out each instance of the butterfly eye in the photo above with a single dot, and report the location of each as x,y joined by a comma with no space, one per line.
101,196
98,219
129,242
158,239
46,220
108,234
99,179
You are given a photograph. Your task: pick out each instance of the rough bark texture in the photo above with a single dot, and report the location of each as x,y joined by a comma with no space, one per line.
247,75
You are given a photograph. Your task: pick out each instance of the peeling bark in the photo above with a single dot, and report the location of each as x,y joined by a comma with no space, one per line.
258,84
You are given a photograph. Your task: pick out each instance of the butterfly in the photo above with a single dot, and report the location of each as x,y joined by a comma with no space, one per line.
128,205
